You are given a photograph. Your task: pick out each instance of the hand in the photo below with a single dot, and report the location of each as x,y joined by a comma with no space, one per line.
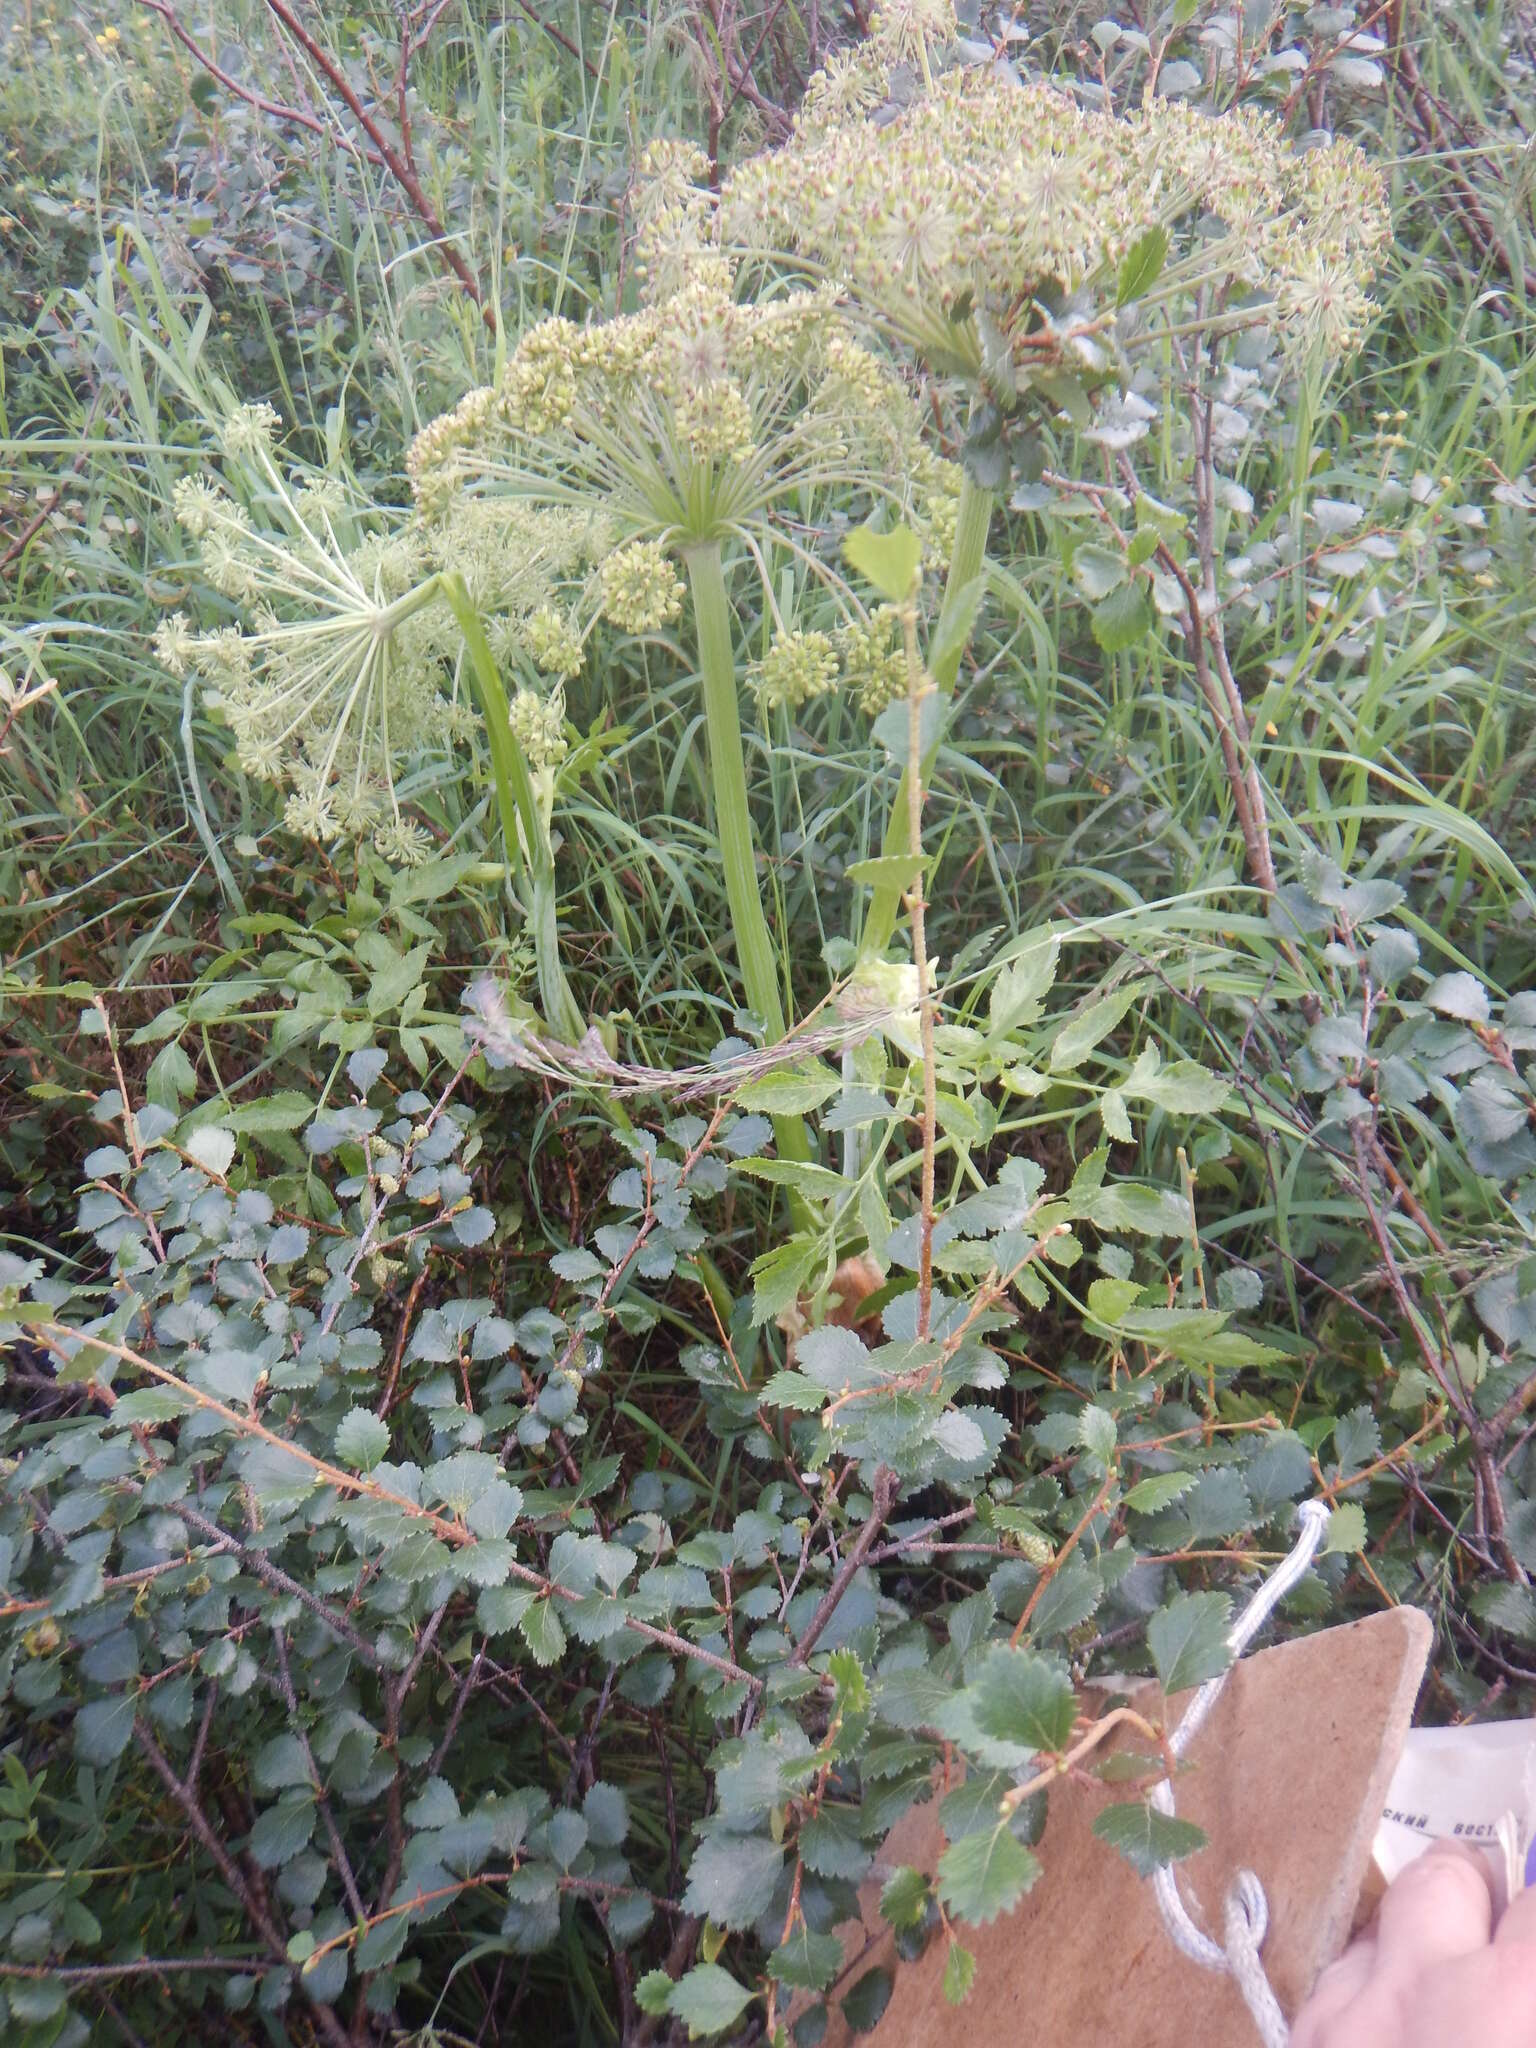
1433,1972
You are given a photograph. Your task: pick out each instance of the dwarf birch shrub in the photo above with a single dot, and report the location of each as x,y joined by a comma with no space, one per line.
345,1598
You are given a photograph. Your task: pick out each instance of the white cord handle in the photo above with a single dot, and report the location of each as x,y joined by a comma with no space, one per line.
1247,1909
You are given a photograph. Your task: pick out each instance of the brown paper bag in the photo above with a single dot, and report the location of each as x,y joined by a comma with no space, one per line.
1287,1778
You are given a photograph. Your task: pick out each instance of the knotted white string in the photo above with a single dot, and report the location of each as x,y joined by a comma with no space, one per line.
1247,1909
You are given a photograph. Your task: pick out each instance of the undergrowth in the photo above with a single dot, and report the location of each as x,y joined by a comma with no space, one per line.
884,1125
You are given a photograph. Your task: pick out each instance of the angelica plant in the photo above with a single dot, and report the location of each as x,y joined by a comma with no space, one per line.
1032,251
352,650
706,433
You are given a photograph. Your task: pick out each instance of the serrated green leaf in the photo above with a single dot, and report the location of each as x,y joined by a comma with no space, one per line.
653,1994
778,1277
888,870
1123,618
1112,1114
806,1961
1097,1433
1188,1639
1182,1087
284,1111
792,1091
792,1390
1128,1205
1108,1299
1080,1034
362,1440
539,1626
959,1974
904,1897
731,1879
1346,1530
104,1728
1023,1700
1146,1838
1159,1490
212,1148
708,2000
807,1177
985,1874
395,975
1096,571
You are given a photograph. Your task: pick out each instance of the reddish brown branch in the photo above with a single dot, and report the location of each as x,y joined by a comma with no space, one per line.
885,1490
279,109
397,166
253,1908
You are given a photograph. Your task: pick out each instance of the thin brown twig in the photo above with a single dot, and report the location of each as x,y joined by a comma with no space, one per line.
253,1908
279,109
401,171
1490,1501
884,1499
1049,1571
918,689
559,36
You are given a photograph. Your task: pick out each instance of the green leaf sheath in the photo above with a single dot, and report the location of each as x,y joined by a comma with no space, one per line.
733,820
965,562
517,803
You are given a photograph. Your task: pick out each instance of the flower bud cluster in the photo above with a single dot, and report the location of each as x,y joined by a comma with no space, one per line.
874,660
865,656
538,724
797,668
250,429
554,642
343,668
686,419
641,590
673,211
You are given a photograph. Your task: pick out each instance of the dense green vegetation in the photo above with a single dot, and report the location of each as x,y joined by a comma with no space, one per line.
731,1033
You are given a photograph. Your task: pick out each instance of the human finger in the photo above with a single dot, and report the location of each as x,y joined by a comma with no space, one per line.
1438,1909
1488,1998
1517,1924
1335,1991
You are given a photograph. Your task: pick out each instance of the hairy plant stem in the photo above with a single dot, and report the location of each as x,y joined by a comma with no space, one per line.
965,565
733,819
519,807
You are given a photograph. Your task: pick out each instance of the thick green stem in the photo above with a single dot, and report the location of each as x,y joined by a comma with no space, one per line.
949,641
519,806
733,819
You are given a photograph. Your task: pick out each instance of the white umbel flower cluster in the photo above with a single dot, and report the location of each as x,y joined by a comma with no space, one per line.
343,668
704,417
952,217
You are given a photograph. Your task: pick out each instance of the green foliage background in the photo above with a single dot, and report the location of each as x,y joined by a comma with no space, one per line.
496,1681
